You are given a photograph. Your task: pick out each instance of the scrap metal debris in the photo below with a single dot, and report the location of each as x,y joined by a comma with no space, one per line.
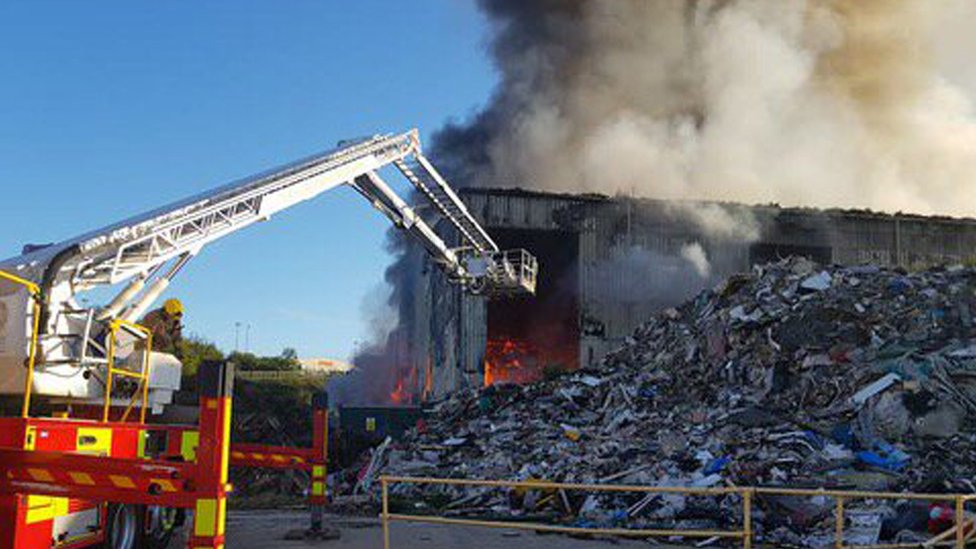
791,375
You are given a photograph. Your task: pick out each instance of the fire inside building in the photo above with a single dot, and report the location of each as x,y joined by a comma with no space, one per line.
608,263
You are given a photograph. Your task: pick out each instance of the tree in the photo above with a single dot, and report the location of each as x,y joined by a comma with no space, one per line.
195,350
251,362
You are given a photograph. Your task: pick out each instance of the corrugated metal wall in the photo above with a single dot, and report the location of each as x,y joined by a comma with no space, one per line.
609,229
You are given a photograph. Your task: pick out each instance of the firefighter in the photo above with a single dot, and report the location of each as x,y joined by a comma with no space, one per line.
166,324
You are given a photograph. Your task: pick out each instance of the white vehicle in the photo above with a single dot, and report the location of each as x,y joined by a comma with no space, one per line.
145,252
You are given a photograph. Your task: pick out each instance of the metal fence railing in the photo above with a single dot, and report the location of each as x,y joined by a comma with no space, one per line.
744,534
958,536
963,533
285,375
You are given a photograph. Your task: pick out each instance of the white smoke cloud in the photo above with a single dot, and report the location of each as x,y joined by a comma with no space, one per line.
828,103
695,255
719,221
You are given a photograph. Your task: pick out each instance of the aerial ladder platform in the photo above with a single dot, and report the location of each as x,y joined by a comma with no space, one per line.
111,475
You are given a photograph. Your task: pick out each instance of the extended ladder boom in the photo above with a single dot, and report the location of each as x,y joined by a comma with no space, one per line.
146,252
140,247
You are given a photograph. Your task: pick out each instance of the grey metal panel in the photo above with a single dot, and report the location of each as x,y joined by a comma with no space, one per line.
910,241
602,225
474,321
517,210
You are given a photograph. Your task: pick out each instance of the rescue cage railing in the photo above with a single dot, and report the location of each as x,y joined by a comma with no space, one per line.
138,330
962,533
142,391
518,268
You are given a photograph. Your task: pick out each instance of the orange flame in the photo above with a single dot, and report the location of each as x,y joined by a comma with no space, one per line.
399,394
404,391
513,361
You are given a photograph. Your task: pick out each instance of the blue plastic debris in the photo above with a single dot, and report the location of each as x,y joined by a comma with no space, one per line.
899,285
887,457
647,392
843,434
717,465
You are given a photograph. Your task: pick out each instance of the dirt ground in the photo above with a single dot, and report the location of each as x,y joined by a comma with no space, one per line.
267,529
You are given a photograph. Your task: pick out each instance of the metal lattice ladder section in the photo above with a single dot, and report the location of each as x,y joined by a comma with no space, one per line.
425,178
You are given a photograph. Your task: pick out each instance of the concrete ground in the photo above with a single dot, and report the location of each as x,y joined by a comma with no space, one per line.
267,529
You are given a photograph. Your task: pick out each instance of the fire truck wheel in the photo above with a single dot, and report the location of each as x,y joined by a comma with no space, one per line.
162,526
124,530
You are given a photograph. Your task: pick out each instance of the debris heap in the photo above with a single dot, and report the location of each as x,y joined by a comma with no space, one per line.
792,375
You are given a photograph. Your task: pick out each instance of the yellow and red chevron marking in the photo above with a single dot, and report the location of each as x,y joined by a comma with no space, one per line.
96,478
271,457
89,478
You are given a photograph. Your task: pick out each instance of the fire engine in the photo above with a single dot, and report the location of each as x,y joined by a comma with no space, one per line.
82,461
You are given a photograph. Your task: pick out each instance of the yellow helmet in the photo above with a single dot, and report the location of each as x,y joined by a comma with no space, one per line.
173,307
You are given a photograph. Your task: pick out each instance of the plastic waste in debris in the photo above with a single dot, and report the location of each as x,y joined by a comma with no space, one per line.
851,377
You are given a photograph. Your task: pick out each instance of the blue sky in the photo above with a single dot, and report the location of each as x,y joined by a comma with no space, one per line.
111,108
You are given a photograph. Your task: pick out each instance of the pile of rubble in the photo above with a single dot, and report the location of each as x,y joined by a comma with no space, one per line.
277,414
792,375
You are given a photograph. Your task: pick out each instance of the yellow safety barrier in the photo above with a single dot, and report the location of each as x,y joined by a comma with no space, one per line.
745,534
958,536
143,376
35,292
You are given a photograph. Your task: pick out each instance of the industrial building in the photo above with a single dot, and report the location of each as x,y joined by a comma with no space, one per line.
608,263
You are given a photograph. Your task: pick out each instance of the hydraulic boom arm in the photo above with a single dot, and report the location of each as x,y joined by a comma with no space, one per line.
139,247
147,251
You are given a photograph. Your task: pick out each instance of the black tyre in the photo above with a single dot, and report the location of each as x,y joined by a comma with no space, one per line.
124,527
163,525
